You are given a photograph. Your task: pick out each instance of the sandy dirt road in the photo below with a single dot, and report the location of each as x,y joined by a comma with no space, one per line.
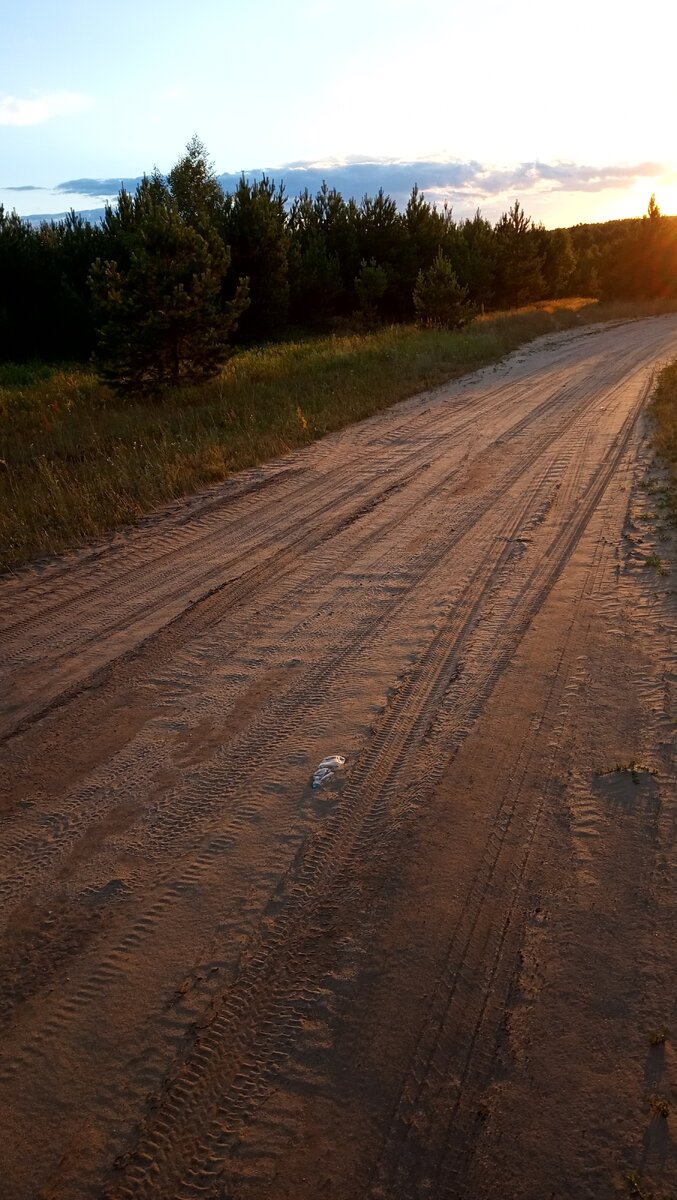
438,974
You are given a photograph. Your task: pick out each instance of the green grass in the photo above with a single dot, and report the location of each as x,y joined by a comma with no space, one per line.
664,413
77,462
655,561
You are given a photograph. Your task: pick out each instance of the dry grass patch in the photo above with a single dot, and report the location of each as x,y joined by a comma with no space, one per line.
664,413
76,461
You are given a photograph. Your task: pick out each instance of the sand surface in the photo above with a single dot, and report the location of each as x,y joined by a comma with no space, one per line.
436,975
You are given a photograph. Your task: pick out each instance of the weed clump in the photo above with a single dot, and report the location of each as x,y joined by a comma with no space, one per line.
664,414
655,561
660,1107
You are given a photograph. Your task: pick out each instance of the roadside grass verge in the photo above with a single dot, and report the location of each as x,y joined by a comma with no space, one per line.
664,413
76,461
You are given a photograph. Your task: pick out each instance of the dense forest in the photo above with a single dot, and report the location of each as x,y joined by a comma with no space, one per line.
179,270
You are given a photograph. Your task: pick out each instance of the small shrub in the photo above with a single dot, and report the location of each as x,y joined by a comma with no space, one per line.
657,1038
660,1107
439,299
655,561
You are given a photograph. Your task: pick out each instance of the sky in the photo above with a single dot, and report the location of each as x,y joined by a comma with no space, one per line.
570,107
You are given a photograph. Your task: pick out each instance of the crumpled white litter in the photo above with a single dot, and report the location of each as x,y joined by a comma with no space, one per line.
327,769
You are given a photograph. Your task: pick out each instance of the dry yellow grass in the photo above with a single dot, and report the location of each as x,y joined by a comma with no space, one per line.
76,461
664,413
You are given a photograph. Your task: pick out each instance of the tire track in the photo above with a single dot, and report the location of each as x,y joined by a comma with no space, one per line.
214,605
411,1165
259,741
422,602
233,591
225,1076
299,498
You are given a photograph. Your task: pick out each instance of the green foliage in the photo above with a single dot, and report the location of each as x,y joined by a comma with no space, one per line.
24,374
160,314
254,225
427,230
45,308
197,194
558,261
440,300
519,259
585,278
475,259
639,260
324,257
317,284
339,222
370,287
382,238
380,228
302,260
19,256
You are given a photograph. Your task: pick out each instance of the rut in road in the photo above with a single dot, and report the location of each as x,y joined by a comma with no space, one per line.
204,1113
413,1162
260,739
187,923
102,615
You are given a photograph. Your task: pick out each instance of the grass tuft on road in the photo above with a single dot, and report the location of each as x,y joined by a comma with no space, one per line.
76,461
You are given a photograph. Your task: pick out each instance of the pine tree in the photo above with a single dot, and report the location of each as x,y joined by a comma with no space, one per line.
439,299
199,197
158,299
21,282
475,259
254,225
558,261
653,212
320,252
382,237
640,261
519,259
426,231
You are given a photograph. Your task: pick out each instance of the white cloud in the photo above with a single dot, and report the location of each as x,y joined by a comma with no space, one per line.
17,111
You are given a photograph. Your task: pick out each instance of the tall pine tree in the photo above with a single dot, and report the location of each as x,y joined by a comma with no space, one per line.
160,312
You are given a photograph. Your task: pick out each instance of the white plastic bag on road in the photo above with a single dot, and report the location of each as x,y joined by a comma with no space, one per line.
327,768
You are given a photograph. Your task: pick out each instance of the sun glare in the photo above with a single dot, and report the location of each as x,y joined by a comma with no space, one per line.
636,199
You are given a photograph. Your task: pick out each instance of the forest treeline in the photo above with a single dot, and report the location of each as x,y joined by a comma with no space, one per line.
251,266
